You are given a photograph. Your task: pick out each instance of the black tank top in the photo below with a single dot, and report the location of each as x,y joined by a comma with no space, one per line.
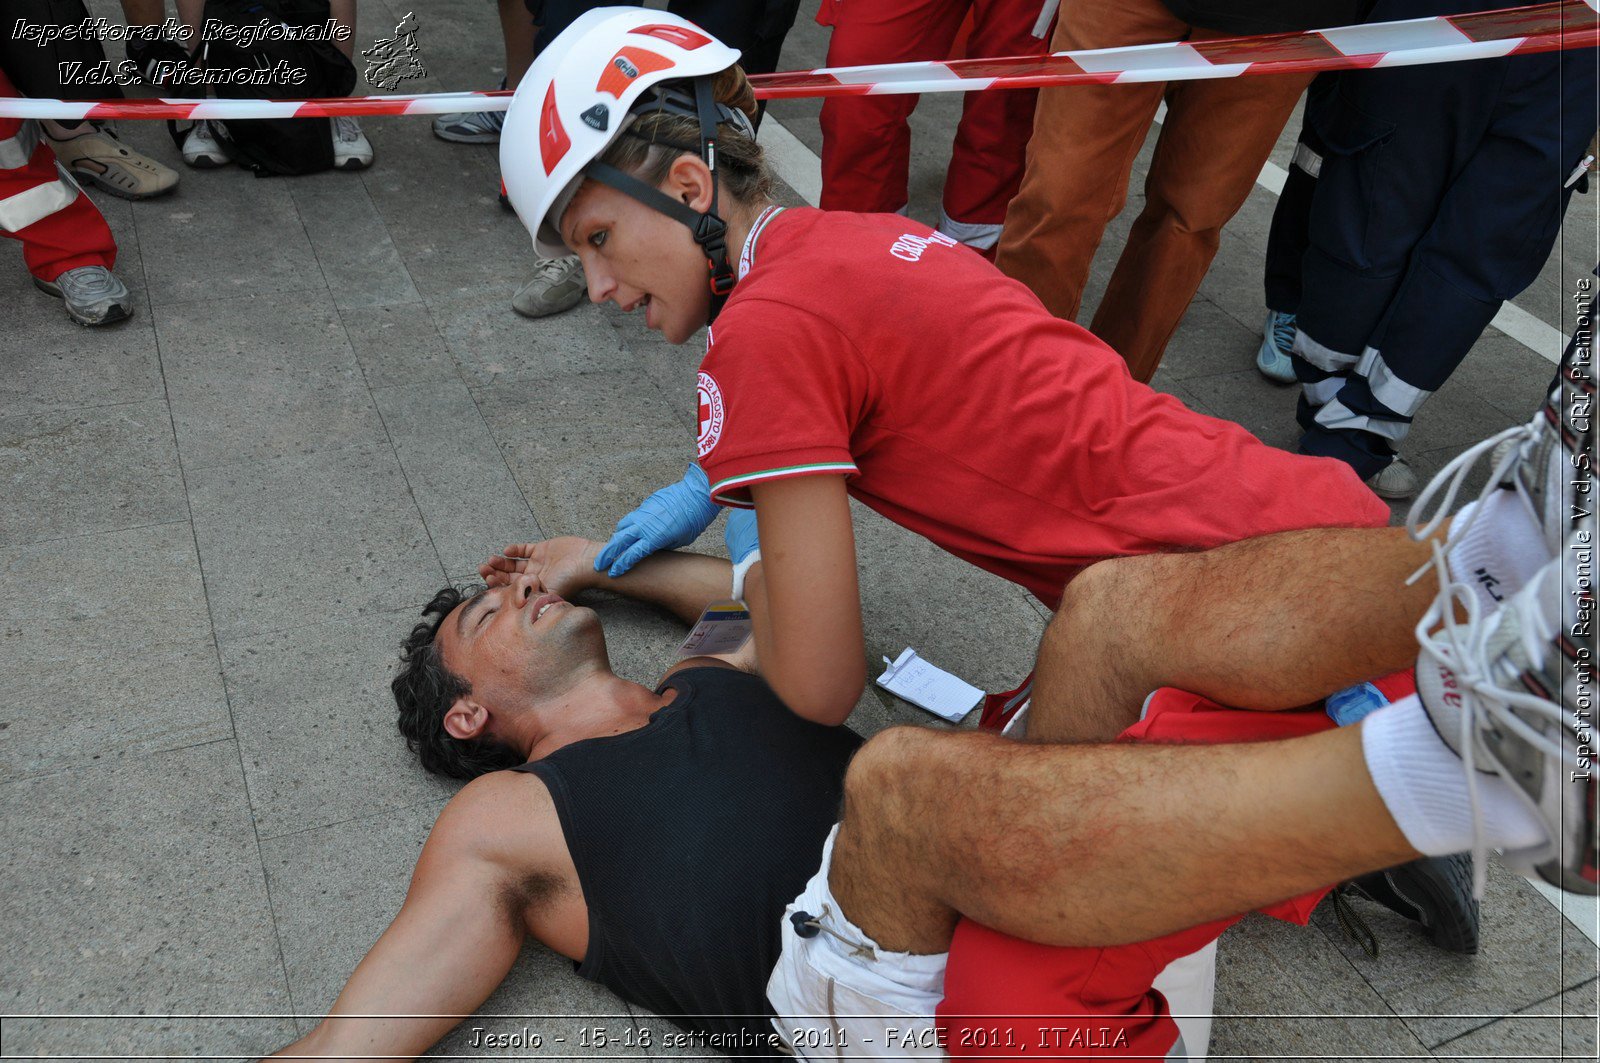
690,835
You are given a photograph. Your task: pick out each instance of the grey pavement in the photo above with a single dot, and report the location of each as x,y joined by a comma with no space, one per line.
217,520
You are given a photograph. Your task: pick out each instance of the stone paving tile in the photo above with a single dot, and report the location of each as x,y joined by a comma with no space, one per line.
489,341
452,245
468,498
955,615
187,233
105,649
398,344
1562,1027
1506,375
1285,992
71,472
263,378
316,722
45,367
1524,958
584,449
1208,342
1245,397
354,249
329,535
137,889
336,888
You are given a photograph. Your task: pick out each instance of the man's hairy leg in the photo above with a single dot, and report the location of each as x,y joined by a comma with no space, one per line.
1096,844
1268,623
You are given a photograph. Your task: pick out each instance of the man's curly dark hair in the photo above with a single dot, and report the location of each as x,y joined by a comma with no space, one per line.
424,691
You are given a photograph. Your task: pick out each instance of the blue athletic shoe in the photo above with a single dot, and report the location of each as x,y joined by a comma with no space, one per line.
1276,340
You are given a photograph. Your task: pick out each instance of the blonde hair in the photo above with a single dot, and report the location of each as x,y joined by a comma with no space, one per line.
656,138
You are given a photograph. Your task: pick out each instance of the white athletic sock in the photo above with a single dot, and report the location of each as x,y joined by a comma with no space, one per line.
1501,551
1424,785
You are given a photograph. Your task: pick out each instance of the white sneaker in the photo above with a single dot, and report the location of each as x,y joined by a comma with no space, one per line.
1394,480
351,148
201,149
1503,690
1538,461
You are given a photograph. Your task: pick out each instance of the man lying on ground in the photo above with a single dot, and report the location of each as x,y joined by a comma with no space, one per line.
680,844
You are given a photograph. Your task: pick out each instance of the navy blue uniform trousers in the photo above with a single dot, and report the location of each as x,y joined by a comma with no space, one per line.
1421,199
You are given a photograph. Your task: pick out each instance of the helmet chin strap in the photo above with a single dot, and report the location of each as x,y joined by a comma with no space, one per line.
709,230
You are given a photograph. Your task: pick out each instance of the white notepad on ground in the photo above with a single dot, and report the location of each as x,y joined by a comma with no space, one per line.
928,687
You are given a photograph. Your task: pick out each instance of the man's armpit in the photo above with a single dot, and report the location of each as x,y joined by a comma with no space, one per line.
730,661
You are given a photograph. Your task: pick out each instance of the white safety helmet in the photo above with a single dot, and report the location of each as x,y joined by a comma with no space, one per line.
584,90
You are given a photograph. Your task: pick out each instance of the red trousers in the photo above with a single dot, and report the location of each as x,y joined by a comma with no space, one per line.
1211,147
1007,997
866,143
60,228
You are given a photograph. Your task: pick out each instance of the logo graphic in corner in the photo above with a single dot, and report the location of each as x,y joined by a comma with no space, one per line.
710,417
597,117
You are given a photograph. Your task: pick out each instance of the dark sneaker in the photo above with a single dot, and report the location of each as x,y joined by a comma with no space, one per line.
1435,891
93,295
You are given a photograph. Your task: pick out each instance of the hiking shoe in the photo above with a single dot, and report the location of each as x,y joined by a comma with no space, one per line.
1494,688
201,148
557,284
351,148
100,159
1539,461
1277,340
1394,480
1435,891
93,295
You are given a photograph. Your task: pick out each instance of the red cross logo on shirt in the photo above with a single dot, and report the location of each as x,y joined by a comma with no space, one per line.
710,412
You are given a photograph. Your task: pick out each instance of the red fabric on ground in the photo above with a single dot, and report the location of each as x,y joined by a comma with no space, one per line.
1099,1001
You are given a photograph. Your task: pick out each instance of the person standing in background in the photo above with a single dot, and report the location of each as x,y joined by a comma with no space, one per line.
866,143
1216,135
1423,197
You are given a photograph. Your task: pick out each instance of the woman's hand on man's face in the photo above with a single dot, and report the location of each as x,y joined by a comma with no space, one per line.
563,565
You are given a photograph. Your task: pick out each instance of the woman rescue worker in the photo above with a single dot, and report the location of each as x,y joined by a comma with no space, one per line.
868,356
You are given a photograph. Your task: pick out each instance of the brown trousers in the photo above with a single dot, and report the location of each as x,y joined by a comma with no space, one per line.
1213,141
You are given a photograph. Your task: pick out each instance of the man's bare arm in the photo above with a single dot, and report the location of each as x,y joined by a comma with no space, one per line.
682,583
456,936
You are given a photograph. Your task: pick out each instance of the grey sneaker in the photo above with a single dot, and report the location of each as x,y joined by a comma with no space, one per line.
1495,688
557,284
93,295
470,127
1394,480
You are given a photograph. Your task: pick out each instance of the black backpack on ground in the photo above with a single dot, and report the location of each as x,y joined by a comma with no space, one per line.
271,146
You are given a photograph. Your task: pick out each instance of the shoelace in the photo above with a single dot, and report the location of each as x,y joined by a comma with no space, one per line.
1421,524
552,269
1462,649
1283,333
346,129
1350,921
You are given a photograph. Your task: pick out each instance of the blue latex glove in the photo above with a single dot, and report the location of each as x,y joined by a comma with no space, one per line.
672,517
740,534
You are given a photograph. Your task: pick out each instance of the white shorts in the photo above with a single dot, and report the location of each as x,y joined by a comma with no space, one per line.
836,995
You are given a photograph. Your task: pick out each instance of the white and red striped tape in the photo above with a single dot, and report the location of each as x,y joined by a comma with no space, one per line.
1560,24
